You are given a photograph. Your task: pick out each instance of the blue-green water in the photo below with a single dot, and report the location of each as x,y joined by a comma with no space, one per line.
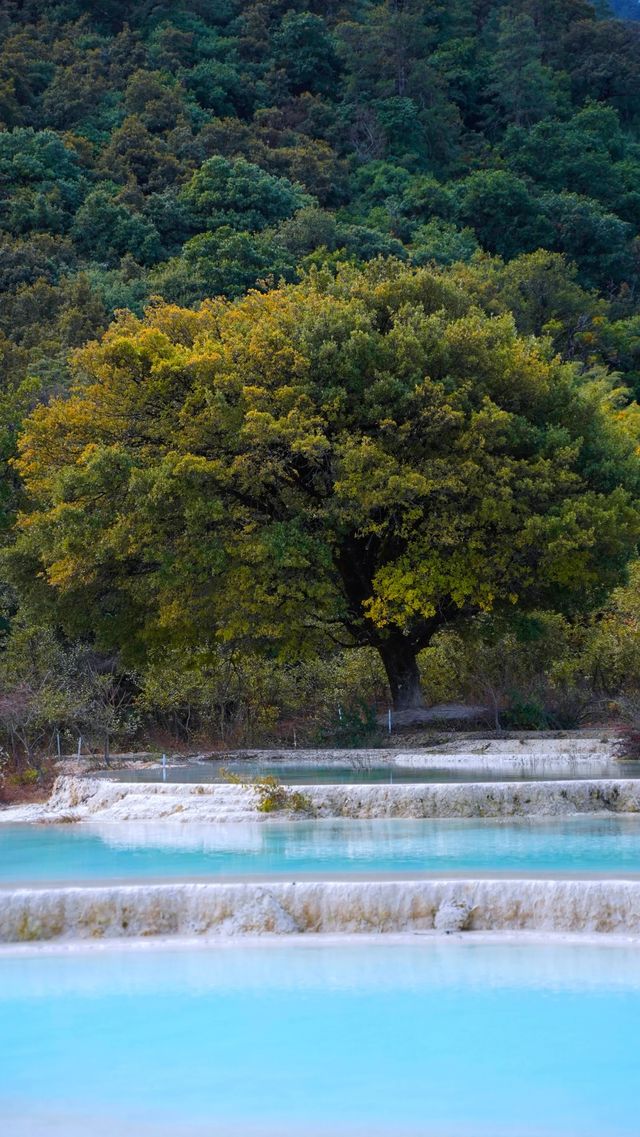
127,850
405,1040
301,773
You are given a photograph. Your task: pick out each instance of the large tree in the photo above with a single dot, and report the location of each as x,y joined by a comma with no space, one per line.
363,456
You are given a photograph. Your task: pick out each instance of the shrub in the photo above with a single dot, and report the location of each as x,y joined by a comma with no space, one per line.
525,713
272,796
355,725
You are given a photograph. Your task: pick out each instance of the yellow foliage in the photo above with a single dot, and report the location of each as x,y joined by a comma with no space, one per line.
364,455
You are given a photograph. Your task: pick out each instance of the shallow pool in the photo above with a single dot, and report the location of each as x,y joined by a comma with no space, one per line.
337,773
426,1039
129,850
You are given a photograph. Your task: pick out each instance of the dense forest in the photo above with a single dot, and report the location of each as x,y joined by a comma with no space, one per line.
320,330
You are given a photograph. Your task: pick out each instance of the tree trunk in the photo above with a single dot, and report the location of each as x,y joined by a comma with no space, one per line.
398,656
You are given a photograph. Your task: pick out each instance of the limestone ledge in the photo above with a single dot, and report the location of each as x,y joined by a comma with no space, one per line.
445,906
78,799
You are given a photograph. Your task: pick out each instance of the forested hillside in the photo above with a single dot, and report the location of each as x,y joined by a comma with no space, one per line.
175,152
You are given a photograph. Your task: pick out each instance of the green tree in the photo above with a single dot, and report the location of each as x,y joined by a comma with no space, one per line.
240,194
363,457
222,263
135,156
598,241
154,100
503,212
305,51
42,181
521,88
105,229
218,87
602,58
442,242
542,292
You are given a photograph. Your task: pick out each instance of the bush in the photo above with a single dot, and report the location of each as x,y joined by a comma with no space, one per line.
272,796
355,725
524,713
29,777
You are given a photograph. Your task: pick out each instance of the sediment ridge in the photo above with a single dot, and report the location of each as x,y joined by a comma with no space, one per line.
445,906
78,799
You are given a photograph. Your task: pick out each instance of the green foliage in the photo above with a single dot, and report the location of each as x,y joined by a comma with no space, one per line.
325,448
196,150
525,714
597,241
350,726
29,776
521,89
304,51
529,671
240,195
271,796
222,263
503,211
582,155
240,697
274,797
42,181
442,243
49,687
431,133
106,230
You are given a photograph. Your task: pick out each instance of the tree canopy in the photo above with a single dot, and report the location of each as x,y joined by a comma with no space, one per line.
363,456
321,323
127,131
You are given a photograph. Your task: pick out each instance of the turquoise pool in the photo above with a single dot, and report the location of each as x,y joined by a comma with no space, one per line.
128,850
301,773
423,1039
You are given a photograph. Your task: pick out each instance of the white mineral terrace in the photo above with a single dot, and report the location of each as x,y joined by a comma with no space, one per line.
444,906
510,754
80,799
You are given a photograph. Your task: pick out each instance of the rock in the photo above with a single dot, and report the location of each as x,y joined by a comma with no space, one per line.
452,916
261,914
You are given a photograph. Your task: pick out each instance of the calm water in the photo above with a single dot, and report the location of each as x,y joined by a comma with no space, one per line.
324,1040
124,850
335,774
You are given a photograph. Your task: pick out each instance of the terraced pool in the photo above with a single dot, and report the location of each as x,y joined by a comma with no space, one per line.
411,1039
92,852
345,771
